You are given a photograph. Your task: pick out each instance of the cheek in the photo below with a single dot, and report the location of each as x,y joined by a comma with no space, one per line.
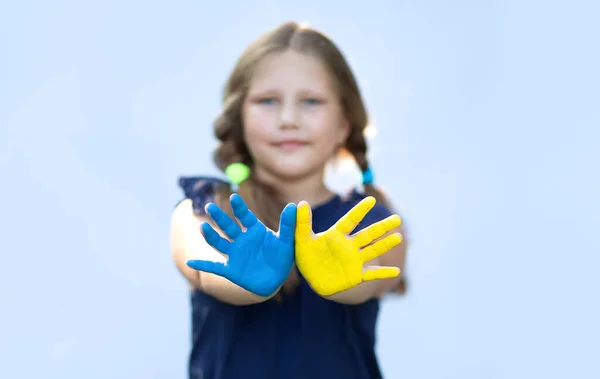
257,125
327,129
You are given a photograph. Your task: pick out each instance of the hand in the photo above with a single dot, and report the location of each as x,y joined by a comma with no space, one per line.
259,260
332,261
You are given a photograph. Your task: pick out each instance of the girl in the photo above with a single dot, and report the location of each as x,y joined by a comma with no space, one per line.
291,105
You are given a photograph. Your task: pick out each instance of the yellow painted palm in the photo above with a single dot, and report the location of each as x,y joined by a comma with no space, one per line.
333,261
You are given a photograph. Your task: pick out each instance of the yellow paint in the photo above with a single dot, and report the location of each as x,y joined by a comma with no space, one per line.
332,261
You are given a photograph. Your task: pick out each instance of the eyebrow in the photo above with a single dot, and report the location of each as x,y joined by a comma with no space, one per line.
322,91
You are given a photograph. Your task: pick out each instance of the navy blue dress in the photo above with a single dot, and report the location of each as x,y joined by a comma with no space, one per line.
303,336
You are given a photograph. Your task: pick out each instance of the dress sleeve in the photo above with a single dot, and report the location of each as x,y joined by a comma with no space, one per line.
201,190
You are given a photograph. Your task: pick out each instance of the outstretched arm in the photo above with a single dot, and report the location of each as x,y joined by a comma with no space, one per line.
395,257
343,267
187,243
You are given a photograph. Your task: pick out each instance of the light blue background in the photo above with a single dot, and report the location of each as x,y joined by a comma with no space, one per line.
488,117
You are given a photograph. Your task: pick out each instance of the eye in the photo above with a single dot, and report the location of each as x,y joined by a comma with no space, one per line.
267,100
312,101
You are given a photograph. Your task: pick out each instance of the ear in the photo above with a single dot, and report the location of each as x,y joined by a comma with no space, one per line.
344,133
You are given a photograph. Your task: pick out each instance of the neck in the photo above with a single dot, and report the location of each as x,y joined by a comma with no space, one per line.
310,188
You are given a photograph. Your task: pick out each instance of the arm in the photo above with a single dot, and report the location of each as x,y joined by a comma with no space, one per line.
188,243
346,268
395,257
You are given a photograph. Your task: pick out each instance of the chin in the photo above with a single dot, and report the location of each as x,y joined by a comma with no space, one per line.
291,171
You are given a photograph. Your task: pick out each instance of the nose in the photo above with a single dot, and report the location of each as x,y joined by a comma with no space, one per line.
288,116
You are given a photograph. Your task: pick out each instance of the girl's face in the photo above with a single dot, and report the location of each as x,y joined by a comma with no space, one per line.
292,116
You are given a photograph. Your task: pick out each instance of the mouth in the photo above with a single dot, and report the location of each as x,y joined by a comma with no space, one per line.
291,144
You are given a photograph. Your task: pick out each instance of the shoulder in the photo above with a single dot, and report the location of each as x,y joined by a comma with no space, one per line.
199,191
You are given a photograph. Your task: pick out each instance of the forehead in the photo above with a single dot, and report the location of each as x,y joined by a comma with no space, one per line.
291,70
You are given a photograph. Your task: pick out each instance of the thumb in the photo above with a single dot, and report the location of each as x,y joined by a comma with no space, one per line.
303,221
287,223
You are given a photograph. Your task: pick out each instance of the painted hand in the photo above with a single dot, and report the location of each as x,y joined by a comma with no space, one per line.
259,260
333,261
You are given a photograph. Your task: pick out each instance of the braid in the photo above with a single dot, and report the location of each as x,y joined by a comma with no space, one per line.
357,147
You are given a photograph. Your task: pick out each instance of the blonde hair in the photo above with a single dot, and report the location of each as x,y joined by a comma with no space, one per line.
228,126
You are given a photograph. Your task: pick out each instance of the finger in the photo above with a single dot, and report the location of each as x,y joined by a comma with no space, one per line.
348,222
376,230
303,221
214,239
380,247
376,273
287,223
241,211
223,221
217,268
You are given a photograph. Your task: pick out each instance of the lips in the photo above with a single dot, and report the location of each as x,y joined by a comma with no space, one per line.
291,144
